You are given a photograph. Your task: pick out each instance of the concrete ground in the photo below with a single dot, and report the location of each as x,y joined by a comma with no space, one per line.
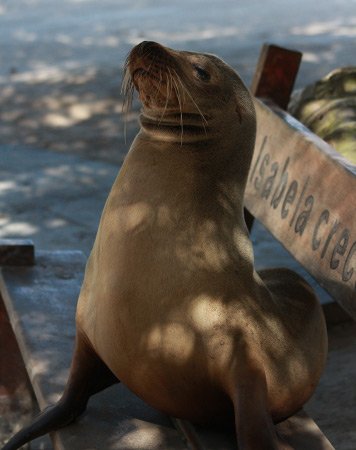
61,64
61,125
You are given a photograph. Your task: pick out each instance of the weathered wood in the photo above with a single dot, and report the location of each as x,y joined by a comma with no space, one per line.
17,252
15,392
275,74
274,78
305,194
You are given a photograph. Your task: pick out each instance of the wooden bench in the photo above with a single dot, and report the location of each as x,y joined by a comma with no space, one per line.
288,191
40,301
302,190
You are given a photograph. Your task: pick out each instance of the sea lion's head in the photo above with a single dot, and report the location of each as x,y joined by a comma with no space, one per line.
187,95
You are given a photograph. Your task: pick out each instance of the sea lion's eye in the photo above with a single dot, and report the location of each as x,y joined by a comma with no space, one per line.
201,73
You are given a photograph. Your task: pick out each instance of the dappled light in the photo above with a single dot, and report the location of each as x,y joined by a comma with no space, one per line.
18,229
69,115
188,282
131,440
42,200
64,136
60,87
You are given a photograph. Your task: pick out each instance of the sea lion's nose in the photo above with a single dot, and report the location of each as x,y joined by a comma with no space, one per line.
146,47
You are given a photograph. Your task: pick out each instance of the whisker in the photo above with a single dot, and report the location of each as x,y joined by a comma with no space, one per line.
151,63
176,89
159,83
127,90
204,121
158,88
167,99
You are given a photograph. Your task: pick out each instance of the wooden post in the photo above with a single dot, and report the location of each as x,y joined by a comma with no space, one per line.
275,74
274,79
17,252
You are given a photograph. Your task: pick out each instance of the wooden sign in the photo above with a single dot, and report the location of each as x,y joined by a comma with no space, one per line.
305,194
275,74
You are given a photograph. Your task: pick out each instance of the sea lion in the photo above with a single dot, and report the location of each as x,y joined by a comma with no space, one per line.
171,304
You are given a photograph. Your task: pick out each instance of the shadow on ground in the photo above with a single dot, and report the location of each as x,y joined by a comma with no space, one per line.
79,113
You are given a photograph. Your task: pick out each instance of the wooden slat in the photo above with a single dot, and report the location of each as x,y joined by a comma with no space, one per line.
17,252
304,192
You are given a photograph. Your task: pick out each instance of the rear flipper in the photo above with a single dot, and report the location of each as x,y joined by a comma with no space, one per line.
255,429
88,375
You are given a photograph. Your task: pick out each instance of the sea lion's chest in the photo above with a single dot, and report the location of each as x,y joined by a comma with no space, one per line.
179,336
161,282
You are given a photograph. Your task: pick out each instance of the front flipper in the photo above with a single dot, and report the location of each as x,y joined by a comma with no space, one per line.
88,375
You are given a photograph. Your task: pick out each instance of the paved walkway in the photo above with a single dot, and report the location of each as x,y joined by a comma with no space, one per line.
53,198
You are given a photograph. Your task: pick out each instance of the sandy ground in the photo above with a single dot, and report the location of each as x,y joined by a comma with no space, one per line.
61,121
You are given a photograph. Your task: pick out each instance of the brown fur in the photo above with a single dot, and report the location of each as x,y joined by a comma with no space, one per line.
171,302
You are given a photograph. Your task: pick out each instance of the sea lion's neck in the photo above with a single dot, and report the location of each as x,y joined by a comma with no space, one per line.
217,148
196,184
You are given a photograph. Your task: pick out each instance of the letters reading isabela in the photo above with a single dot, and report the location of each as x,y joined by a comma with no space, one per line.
276,183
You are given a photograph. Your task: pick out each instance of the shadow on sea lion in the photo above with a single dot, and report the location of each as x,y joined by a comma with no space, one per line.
171,304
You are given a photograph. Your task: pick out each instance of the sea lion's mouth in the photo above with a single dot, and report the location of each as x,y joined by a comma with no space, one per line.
176,129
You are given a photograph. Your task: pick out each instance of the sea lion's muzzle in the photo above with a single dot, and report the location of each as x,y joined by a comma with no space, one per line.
150,60
164,80
153,70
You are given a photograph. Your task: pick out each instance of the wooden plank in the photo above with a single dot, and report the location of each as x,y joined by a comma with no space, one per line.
333,404
17,252
274,78
16,401
304,192
300,431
